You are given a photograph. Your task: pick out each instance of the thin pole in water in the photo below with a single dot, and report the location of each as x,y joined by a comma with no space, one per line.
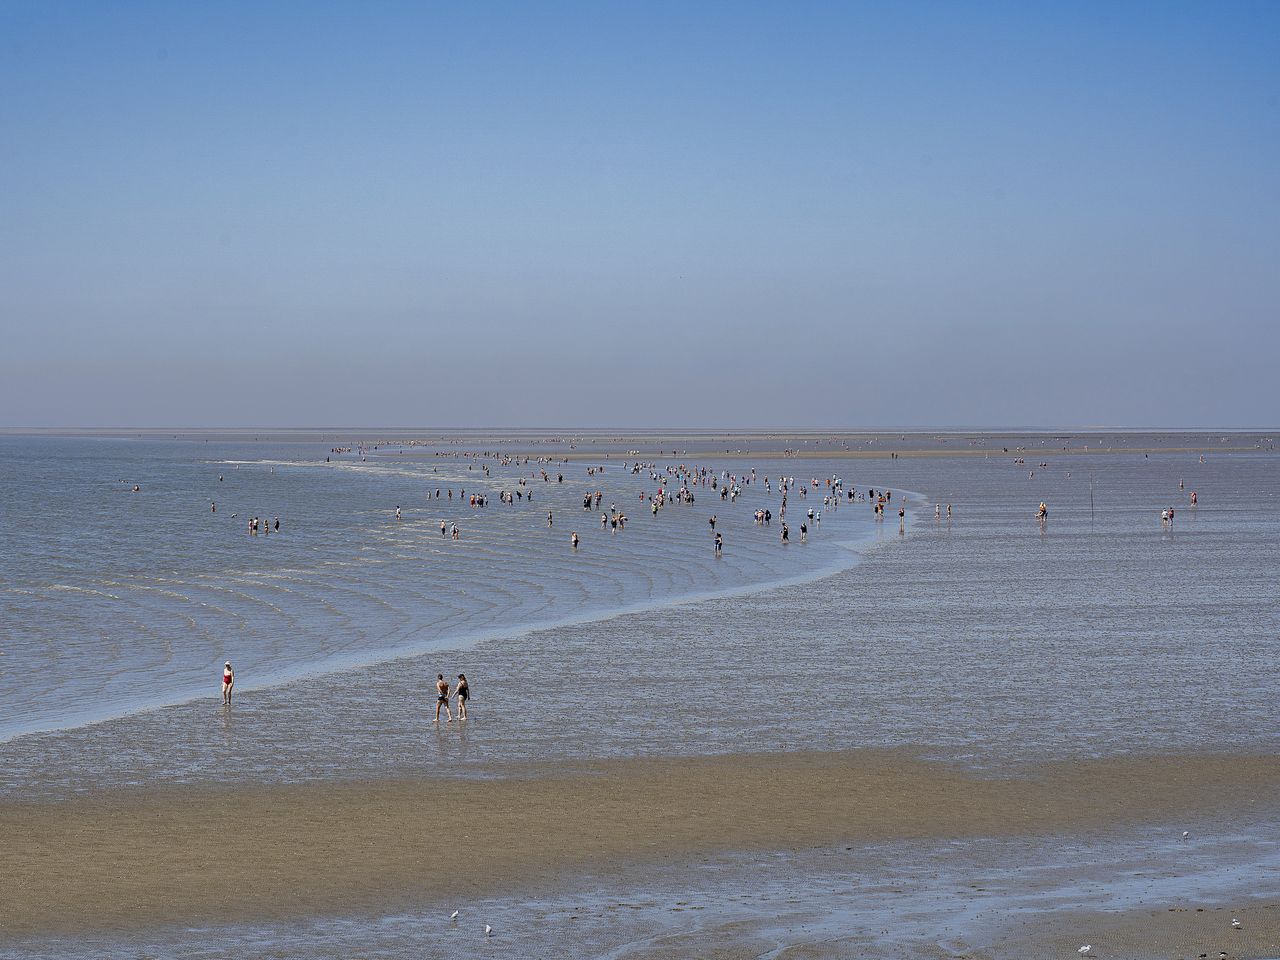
1091,496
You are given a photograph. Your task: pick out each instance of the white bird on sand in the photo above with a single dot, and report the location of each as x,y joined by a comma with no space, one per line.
454,915
488,930
1084,951
1235,923
1186,835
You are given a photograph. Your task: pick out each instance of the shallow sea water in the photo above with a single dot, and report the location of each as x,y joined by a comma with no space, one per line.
989,639
114,601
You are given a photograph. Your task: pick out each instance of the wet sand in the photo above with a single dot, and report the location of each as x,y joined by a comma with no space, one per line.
1183,932
1167,931
591,446
887,450
175,856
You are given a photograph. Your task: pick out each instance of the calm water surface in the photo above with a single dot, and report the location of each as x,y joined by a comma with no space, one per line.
114,601
989,639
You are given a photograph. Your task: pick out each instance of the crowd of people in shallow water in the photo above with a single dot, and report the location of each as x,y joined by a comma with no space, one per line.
668,486
260,525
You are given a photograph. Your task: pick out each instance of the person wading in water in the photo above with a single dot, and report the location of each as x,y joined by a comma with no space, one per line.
442,698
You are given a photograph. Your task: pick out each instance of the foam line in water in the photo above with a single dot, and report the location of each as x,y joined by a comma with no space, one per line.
852,552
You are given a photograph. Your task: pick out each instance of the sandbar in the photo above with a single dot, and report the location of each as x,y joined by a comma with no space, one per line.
166,855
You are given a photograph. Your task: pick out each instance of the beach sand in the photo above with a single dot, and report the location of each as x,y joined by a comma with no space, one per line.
174,856
1183,933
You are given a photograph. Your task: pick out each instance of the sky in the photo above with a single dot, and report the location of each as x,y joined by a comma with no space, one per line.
639,215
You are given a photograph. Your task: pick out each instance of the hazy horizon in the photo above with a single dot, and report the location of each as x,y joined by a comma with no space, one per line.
658,431
745,214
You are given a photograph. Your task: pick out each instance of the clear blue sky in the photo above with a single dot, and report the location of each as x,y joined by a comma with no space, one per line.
644,214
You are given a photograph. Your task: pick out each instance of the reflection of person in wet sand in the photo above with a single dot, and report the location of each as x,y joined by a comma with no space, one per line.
442,698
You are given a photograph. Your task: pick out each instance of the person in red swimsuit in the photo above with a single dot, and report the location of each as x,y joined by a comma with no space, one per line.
228,681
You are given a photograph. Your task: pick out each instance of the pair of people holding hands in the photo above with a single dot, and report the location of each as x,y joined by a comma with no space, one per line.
461,691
